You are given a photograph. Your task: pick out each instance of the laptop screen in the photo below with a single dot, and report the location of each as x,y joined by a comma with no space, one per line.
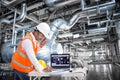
60,60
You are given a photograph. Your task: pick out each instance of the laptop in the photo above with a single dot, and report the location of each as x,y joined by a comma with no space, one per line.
60,62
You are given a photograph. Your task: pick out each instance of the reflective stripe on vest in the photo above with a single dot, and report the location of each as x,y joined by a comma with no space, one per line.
21,54
22,66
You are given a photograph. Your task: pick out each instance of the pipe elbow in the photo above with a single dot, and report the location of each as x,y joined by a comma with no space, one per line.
23,14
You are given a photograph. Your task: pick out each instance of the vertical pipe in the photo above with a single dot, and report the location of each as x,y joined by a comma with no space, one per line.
20,18
23,33
118,33
13,27
15,36
93,53
82,4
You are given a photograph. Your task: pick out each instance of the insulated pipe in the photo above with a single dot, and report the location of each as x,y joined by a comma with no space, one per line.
20,18
51,46
73,21
92,11
98,30
22,28
58,24
92,32
58,3
55,26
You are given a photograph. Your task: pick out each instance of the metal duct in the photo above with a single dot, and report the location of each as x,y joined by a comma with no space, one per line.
73,21
51,46
19,19
58,3
58,24
55,26
67,25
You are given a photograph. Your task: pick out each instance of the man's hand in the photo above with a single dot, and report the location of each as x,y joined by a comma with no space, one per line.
48,69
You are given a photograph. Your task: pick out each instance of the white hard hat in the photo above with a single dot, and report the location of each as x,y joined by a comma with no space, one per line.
44,29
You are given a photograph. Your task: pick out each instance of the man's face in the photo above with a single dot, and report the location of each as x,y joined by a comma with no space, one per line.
41,38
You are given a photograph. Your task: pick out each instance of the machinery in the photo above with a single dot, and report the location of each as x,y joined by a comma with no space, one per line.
82,28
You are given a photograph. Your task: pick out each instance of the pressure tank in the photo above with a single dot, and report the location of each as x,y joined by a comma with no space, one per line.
7,52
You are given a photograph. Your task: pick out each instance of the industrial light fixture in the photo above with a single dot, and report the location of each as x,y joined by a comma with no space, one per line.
65,35
98,30
98,39
76,36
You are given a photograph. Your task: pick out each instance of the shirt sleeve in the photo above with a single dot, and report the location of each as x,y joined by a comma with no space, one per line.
27,46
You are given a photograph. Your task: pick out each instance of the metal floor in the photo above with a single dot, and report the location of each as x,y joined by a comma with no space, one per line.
103,72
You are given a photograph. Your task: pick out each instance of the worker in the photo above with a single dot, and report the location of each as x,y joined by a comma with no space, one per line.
24,58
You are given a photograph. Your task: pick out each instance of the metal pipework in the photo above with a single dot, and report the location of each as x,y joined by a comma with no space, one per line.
24,12
94,7
19,19
14,36
7,49
58,3
58,24
51,46
99,22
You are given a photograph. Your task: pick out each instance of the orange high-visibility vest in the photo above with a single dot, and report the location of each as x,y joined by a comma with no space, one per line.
20,60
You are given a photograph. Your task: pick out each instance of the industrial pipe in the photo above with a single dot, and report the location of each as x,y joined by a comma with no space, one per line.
100,22
19,19
24,12
94,7
51,46
58,24
58,3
